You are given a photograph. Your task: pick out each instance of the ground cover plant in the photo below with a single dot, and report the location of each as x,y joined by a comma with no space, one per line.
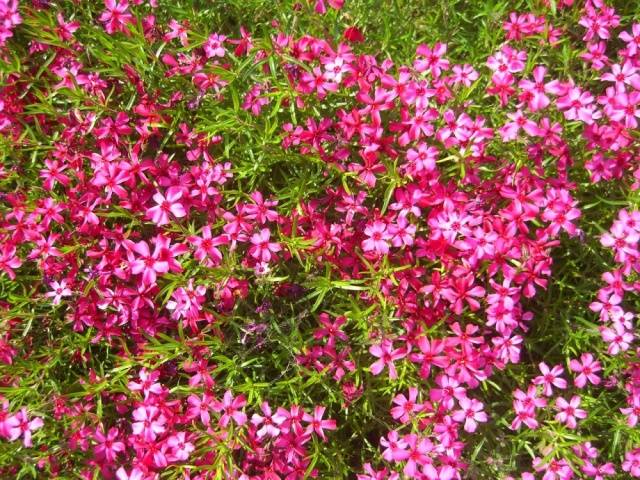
321,239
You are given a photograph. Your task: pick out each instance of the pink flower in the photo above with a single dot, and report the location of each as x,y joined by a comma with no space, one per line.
449,390
378,238
9,260
464,75
633,412
180,447
578,105
587,367
470,413
213,47
396,447
569,411
623,75
431,59
147,264
20,425
524,415
108,447
631,463
534,92
230,408
386,355
10,18
177,30
422,159
262,249
116,16
269,423
200,407
166,205
598,472
147,384
430,355
618,338
317,424
149,422
510,130
553,469
444,472
59,290
550,378
136,474
406,407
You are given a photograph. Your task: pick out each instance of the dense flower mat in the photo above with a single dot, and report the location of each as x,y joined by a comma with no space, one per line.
251,240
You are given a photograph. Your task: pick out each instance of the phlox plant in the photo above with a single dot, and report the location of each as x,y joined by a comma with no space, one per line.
319,239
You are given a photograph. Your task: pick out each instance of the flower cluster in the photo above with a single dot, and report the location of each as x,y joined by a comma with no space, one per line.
263,254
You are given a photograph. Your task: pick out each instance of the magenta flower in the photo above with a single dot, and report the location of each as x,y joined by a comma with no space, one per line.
462,290
550,378
262,249
165,206
19,425
149,265
180,447
59,290
116,16
378,238
587,367
568,412
386,355
471,412
317,424
9,260
230,408
108,445
149,422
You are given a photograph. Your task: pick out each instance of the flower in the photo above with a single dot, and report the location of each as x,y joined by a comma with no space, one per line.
317,424
378,237
180,447
569,411
230,409
550,378
107,445
587,367
116,17
406,407
470,413
149,422
386,355
213,47
19,425
59,290
165,206
262,249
